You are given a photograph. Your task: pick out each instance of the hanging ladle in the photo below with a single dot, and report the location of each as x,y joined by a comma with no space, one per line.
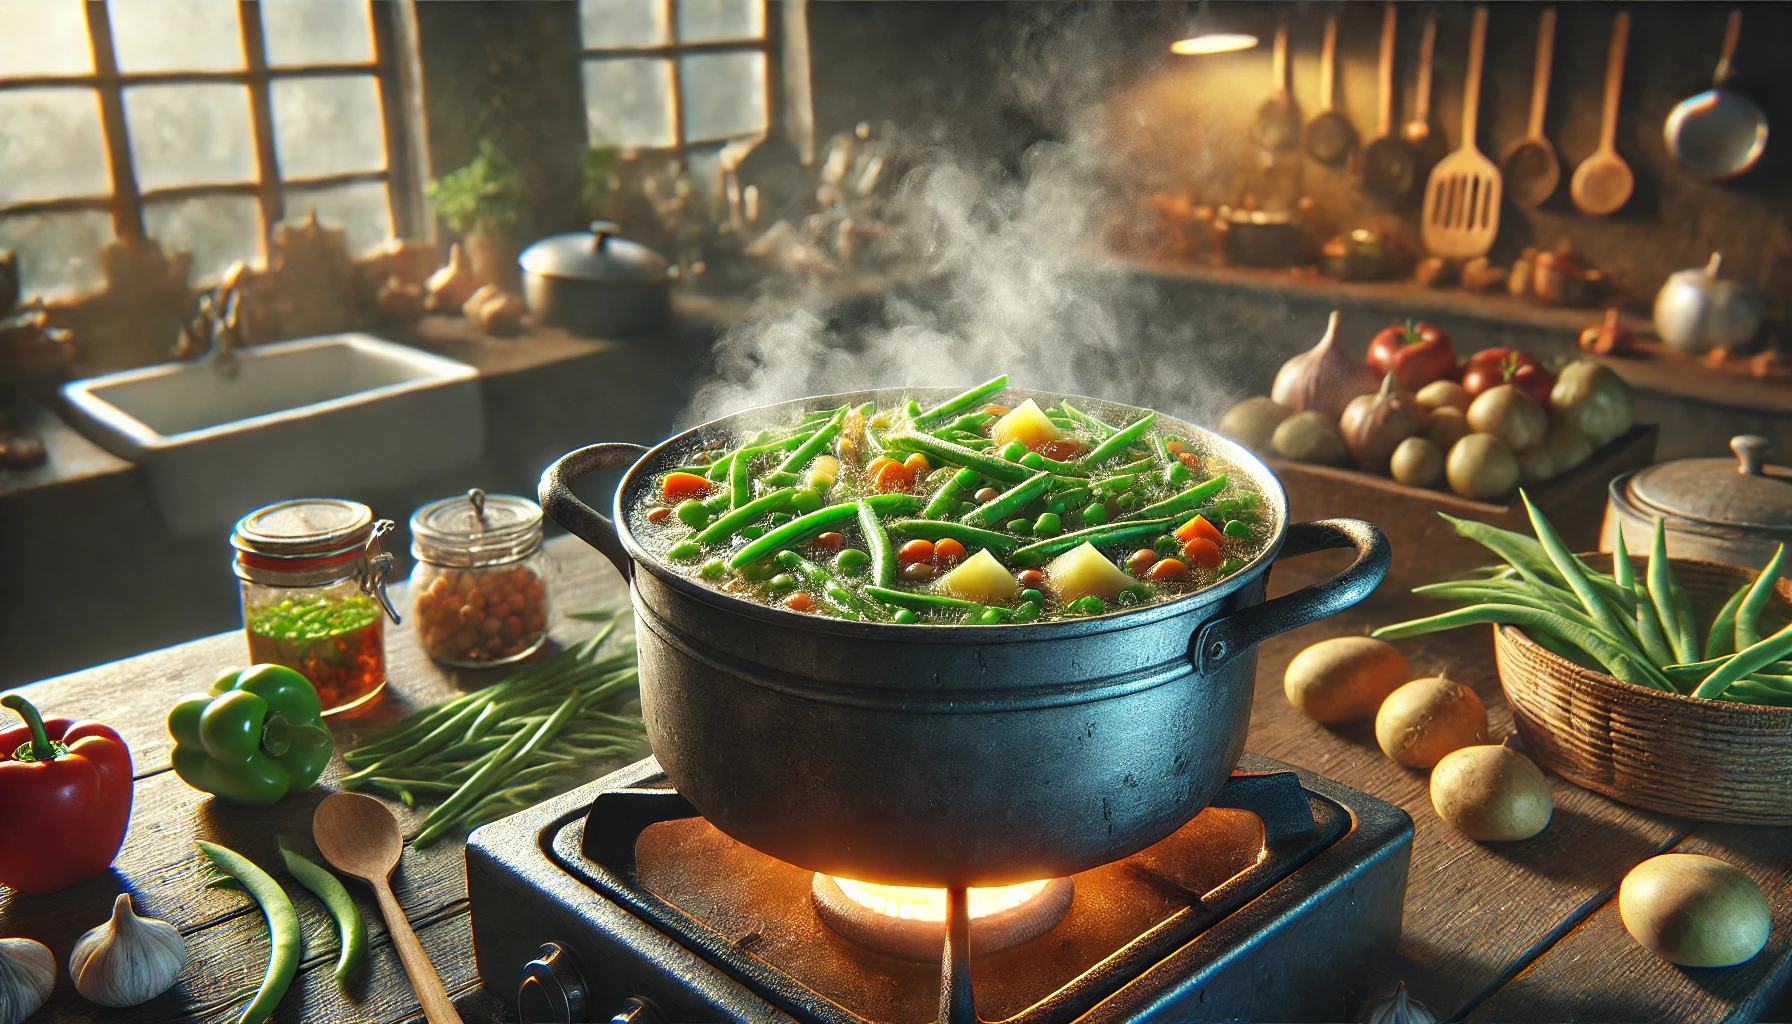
1603,181
1530,168
1389,163
1330,136
1720,133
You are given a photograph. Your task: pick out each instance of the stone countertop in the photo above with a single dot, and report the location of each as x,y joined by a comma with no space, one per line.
1510,931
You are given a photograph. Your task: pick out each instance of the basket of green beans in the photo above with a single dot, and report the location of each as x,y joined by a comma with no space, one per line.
1663,683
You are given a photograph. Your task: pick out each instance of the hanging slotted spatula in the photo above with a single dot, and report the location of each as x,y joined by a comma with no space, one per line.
1462,198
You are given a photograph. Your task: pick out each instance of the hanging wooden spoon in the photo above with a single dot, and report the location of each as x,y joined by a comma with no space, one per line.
1603,182
1418,130
1530,167
1388,163
1330,136
1278,119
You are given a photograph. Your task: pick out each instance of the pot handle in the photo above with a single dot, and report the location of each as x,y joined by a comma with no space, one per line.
580,519
1220,640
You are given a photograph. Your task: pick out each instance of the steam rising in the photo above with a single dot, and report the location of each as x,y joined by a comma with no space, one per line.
1014,278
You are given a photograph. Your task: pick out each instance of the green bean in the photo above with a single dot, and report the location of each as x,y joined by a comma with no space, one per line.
1063,501
969,536
1661,595
283,928
933,602
718,470
1750,659
1567,651
443,817
1188,499
1085,419
945,500
1722,638
1747,691
815,445
940,451
1649,630
350,930
1503,592
1010,501
1115,483
1117,442
970,423
877,539
1126,531
1523,554
844,601
438,737
962,401
1590,599
1146,463
1748,616
1623,573
740,479
730,524
1627,667
975,442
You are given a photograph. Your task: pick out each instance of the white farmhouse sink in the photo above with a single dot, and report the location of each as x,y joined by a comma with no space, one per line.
318,417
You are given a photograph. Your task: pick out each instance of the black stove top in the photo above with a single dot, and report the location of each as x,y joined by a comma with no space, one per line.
1268,905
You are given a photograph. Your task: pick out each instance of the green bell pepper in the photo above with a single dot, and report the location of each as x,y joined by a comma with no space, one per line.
255,737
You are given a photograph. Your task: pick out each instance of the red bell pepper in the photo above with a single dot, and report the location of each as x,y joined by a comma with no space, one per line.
65,799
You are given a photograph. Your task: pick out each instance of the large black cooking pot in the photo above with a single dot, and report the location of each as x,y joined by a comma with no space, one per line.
949,755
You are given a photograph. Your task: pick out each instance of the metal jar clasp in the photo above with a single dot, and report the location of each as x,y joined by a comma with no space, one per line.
376,568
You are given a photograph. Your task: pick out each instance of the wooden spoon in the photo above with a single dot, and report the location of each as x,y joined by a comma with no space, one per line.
359,836
1530,166
1603,182
1418,129
1278,119
1389,163
1462,198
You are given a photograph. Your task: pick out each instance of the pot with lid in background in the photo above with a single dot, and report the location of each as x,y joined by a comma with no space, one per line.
1725,510
596,283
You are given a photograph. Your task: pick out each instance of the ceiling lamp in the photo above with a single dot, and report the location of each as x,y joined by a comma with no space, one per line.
1207,33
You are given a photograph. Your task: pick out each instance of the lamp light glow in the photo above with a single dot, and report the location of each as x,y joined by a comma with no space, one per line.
1214,42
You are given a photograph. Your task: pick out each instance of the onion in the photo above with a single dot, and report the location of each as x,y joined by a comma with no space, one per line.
1324,378
1374,425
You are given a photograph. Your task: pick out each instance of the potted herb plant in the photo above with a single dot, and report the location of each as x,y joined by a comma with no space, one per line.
482,201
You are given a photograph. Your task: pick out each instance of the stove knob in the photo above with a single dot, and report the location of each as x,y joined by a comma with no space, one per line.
638,1010
552,990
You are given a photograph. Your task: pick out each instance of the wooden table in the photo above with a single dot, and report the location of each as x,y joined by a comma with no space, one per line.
1519,931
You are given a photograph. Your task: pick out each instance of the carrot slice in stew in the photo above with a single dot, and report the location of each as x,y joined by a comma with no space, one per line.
679,486
1203,552
1199,527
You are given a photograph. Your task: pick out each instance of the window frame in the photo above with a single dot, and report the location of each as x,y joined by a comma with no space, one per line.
769,43
126,200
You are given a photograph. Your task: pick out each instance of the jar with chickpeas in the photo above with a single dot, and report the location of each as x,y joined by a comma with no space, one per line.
479,591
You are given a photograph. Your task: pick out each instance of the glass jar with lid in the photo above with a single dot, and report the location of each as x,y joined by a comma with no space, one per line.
313,580
479,591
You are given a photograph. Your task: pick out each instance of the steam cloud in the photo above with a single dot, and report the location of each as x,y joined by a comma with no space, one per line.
1015,280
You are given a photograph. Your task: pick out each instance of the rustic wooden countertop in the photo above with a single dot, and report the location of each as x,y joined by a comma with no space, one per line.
1515,932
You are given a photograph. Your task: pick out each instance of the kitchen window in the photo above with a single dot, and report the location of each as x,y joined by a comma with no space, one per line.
680,78
200,123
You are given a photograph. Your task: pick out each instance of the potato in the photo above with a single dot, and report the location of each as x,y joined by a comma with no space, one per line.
1310,437
1253,421
1491,793
982,578
1427,718
1083,570
1443,394
1694,911
1510,415
1446,426
1481,466
1536,464
1567,446
1417,462
1027,424
1344,678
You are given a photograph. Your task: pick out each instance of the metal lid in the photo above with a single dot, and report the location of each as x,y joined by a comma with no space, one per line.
1744,493
304,527
476,529
601,255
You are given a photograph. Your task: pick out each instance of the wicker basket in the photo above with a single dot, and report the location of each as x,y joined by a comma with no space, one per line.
1703,759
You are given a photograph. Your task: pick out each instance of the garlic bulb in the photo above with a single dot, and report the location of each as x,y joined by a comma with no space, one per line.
1398,1008
128,960
27,974
1324,378
1374,425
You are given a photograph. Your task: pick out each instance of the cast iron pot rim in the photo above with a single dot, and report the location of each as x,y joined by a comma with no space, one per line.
1026,632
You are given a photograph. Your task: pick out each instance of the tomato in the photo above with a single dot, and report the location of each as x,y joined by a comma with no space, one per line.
1415,353
1491,367
1062,450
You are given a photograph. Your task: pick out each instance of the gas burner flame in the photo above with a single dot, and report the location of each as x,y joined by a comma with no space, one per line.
913,903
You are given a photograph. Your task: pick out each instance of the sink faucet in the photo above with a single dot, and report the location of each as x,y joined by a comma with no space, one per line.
216,330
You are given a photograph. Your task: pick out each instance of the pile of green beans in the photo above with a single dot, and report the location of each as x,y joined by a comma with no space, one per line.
900,497
1640,629
512,744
